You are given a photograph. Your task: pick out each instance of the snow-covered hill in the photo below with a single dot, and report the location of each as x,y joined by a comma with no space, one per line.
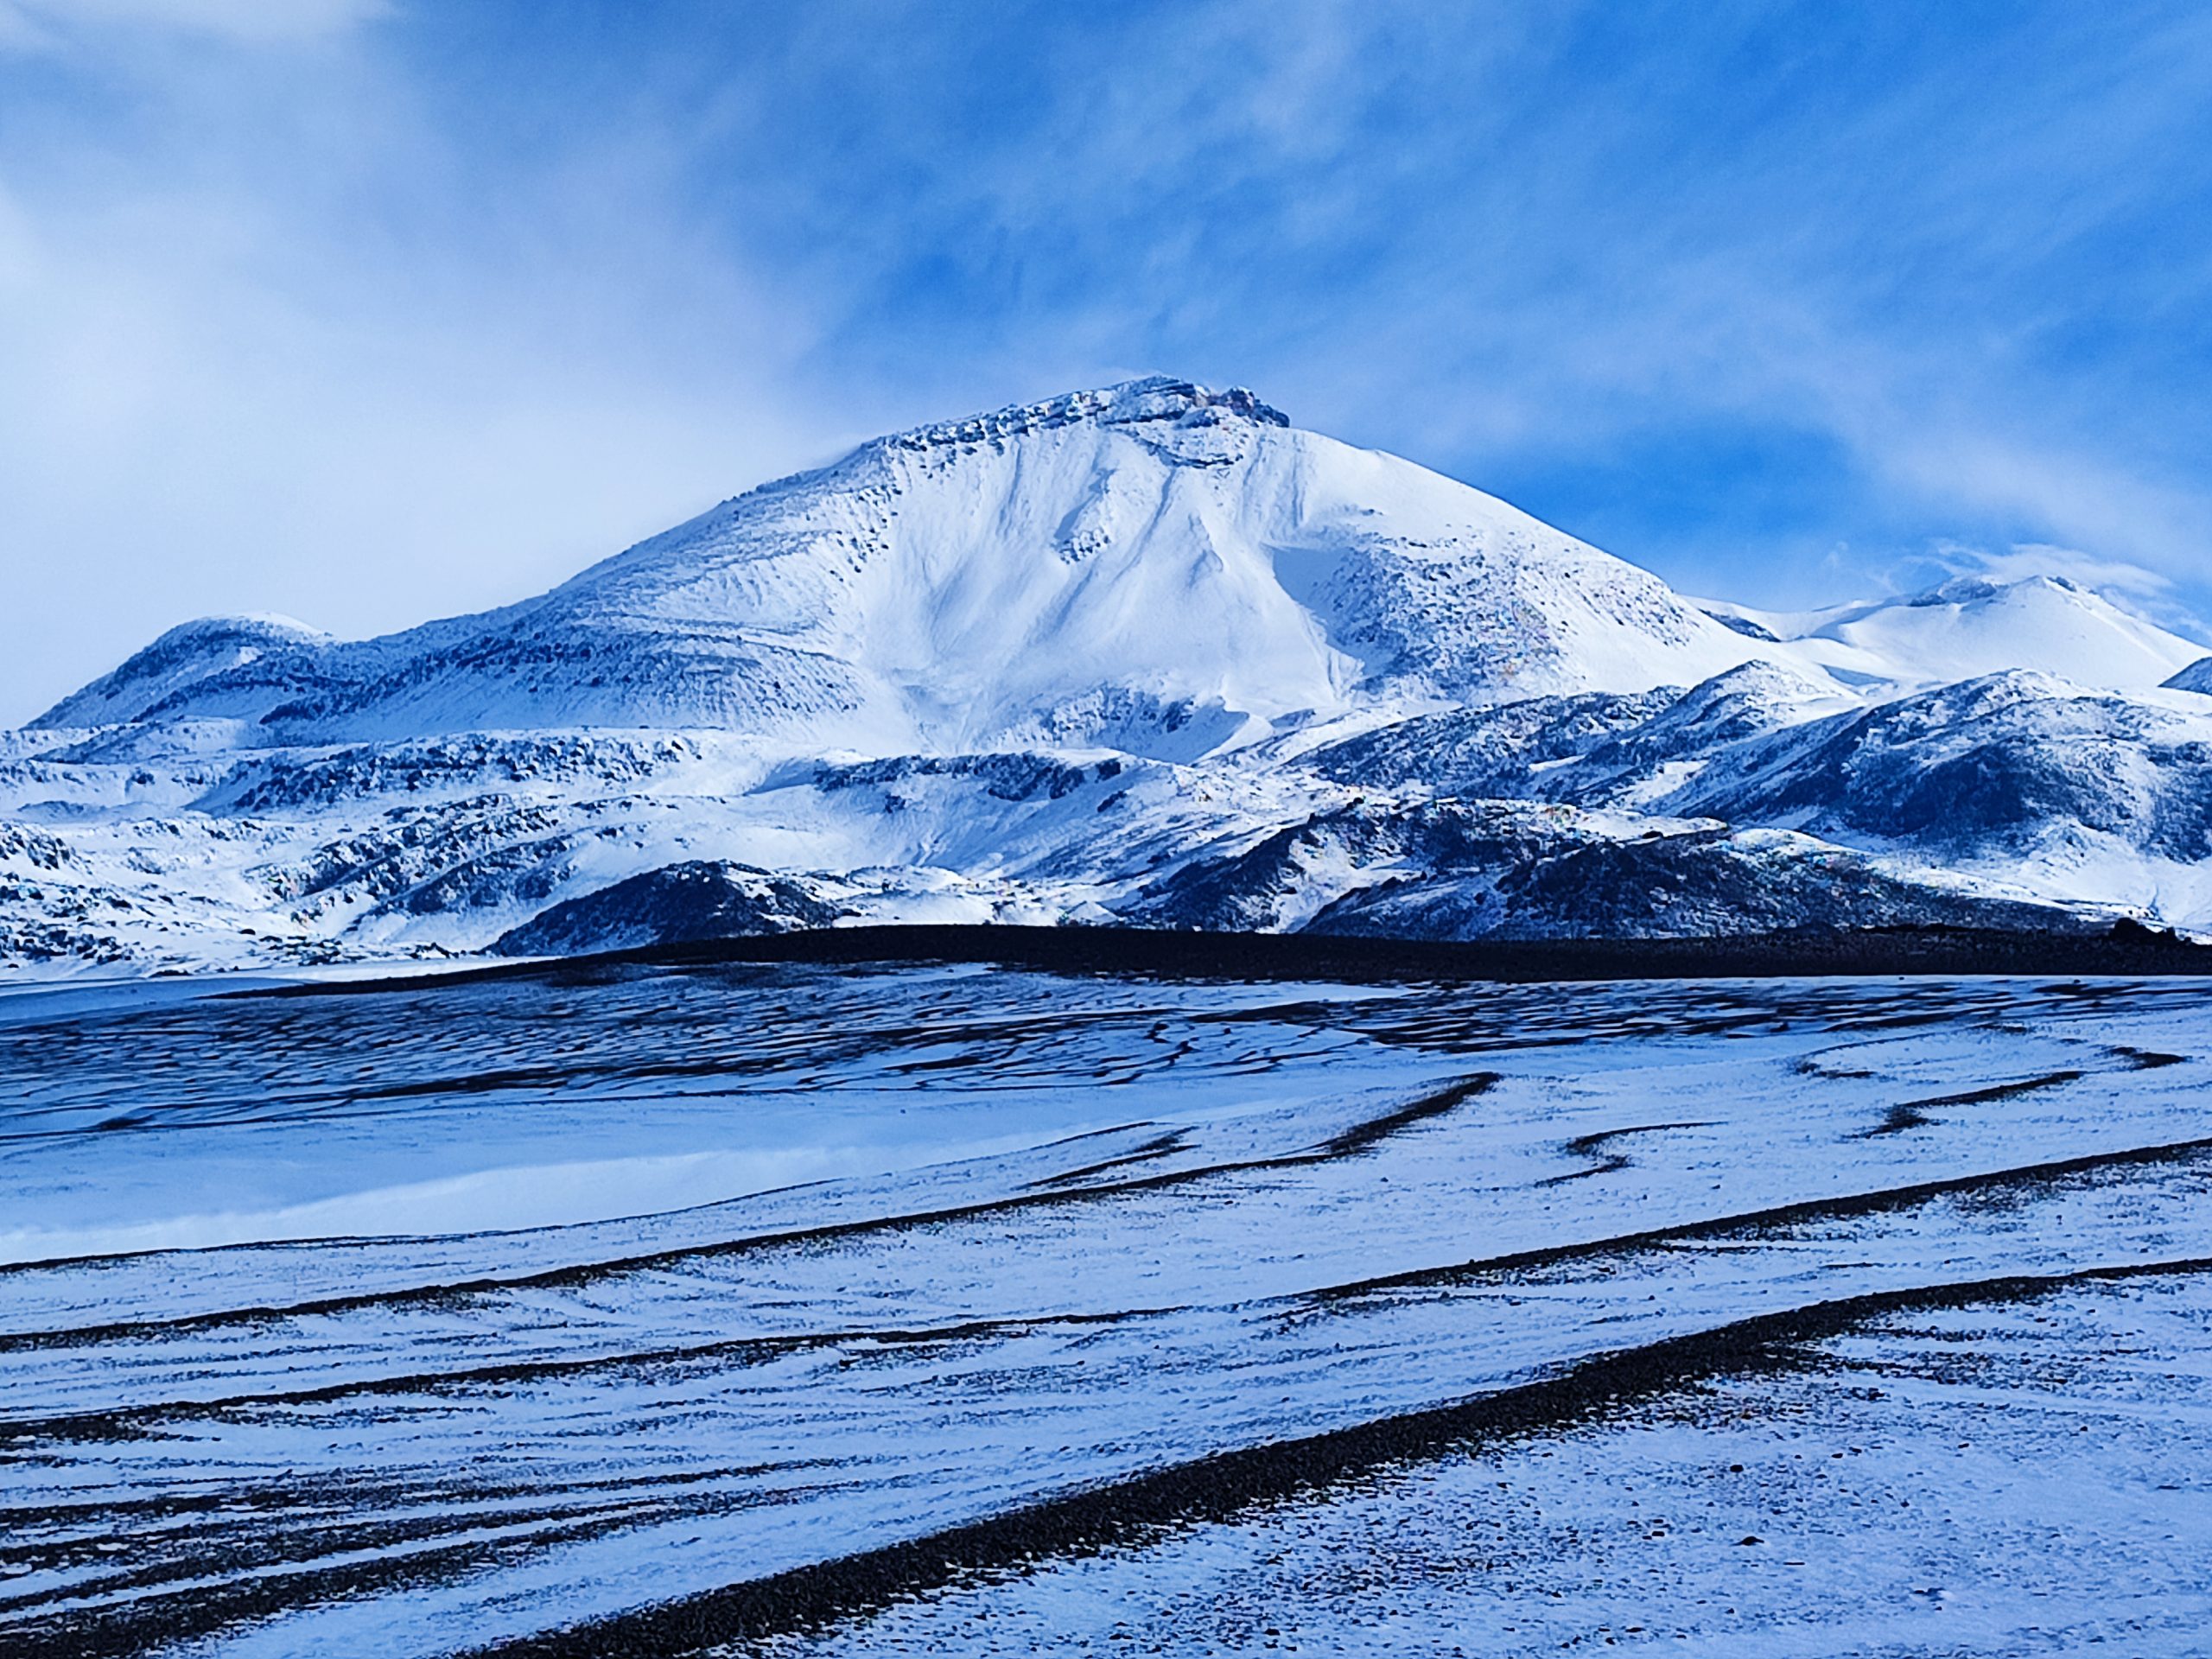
1970,627
1147,653
227,666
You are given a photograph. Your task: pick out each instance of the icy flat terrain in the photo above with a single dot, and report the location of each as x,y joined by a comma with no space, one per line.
799,1309
1146,654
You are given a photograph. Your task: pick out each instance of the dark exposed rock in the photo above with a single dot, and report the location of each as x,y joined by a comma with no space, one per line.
703,900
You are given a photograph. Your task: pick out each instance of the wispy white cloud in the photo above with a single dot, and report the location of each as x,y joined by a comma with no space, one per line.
2025,559
2150,593
47,24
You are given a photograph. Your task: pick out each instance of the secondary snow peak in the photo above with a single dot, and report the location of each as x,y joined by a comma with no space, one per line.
146,685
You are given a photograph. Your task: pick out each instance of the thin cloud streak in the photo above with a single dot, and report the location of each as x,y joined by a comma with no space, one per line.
52,25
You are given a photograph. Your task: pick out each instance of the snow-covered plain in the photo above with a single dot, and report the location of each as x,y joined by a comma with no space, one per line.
970,1309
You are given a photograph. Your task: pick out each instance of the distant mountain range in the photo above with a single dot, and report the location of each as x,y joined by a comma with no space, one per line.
1146,655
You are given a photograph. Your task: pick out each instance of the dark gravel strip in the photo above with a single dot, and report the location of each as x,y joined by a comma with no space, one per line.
163,1618
2024,1177
134,1422
2126,949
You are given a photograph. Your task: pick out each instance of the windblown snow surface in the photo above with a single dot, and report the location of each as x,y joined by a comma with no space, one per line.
1148,655
798,1310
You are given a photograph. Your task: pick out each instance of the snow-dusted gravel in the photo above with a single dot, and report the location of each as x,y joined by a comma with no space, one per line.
1990,1481
644,1311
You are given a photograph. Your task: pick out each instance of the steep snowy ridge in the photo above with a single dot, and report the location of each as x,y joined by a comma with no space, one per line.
2197,677
1147,653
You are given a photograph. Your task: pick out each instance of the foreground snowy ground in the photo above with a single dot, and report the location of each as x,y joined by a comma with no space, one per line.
811,1310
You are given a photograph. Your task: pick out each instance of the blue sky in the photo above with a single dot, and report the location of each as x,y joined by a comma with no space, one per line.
370,310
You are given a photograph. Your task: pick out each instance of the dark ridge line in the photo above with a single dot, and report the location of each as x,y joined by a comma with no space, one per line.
1590,1145
1773,1218
1896,1121
2148,1059
1360,1137
161,1620
300,1539
588,1272
330,1488
1089,1134
1586,1146
1224,1485
1146,1152
360,1241
1912,1114
2126,949
1998,1090
121,1423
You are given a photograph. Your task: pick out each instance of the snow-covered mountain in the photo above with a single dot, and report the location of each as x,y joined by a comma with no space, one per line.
1151,565
1146,654
230,665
